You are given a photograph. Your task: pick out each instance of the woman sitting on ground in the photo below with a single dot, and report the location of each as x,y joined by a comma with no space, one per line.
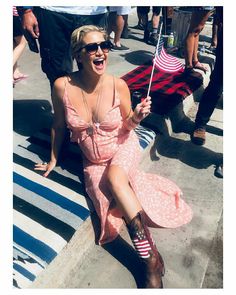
96,107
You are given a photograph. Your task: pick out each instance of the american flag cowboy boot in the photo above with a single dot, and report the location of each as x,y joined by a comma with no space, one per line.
147,251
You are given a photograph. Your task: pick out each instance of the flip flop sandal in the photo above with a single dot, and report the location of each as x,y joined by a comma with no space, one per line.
198,65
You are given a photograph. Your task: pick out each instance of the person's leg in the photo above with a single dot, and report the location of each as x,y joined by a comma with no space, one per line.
120,22
111,22
19,46
209,101
210,96
123,194
155,23
144,10
121,19
125,32
19,43
214,32
54,40
140,20
133,214
198,20
202,17
122,13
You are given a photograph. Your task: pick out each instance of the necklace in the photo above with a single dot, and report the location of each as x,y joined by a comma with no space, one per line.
90,114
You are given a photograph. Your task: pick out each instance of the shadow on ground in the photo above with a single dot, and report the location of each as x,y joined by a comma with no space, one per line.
198,157
31,115
127,256
138,57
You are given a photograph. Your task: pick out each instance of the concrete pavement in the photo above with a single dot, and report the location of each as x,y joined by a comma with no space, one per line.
192,253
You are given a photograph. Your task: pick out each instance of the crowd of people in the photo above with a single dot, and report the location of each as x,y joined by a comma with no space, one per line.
96,107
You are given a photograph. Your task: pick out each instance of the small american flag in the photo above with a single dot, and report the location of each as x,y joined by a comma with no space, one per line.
166,62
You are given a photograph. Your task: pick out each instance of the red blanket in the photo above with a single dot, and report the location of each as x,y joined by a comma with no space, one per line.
167,90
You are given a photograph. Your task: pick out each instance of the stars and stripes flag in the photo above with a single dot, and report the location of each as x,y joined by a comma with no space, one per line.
164,61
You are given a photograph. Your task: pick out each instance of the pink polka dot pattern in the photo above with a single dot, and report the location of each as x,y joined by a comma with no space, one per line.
112,145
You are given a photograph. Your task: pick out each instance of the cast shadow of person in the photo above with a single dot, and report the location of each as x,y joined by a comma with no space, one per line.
198,157
30,115
187,126
126,255
138,57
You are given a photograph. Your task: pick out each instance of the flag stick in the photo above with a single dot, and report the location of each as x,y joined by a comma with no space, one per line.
150,82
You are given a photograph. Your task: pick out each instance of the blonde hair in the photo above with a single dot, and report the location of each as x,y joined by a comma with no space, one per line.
78,35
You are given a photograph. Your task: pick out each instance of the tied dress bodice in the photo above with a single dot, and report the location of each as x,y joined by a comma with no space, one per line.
100,145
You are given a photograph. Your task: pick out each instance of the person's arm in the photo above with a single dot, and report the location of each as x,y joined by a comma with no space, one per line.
131,118
29,20
58,128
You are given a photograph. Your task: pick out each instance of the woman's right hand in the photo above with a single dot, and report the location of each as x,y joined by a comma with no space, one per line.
48,167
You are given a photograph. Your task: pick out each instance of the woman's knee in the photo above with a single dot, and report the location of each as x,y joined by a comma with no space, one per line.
116,178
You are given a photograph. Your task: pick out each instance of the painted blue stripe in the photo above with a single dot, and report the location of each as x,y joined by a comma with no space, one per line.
52,196
21,255
24,272
143,143
33,245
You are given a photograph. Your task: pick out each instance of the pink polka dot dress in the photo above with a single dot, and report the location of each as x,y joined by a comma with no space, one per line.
111,144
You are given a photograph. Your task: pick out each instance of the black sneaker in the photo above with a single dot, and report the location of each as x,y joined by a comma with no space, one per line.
219,171
139,26
119,48
153,39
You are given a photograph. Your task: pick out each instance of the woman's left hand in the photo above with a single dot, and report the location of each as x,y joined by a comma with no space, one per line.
143,109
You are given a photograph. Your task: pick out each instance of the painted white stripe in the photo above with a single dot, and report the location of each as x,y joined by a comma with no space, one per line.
36,258
39,232
48,206
56,187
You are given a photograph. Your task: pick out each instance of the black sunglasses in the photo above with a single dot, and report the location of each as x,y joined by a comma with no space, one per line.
92,48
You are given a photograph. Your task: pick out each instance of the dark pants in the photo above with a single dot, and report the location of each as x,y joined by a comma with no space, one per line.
214,89
17,27
54,40
145,9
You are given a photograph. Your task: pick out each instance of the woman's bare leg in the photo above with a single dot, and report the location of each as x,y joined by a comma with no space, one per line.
122,192
139,233
197,23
